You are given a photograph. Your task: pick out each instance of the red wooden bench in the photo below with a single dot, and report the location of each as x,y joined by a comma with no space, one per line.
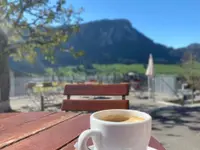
95,90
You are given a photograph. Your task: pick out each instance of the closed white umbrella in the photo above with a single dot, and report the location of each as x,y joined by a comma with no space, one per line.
150,74
150,68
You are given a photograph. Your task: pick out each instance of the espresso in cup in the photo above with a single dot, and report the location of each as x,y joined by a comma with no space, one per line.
121,118
117,129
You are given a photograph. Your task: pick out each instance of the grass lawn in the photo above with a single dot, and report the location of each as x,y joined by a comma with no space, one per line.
106,69
159,68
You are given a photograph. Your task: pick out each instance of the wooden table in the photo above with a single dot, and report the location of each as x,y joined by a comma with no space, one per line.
45,130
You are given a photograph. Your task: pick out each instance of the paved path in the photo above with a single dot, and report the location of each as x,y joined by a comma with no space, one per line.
176,128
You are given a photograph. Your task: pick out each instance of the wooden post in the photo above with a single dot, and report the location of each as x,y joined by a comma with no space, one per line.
0,93
42,102
68,96
123,97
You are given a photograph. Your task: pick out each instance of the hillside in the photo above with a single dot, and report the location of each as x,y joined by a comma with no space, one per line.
115,41
192,48
108,42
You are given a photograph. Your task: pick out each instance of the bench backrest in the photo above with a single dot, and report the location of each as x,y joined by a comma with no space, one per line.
97,90
93,105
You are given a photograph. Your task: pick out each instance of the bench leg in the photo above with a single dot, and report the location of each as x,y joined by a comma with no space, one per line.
42,103
68,96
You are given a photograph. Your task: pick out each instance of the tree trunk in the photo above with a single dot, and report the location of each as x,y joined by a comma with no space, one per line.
4,84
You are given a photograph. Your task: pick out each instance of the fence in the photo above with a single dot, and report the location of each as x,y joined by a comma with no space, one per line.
18,83
166,84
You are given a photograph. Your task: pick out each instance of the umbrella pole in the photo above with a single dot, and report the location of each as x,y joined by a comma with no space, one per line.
149,88
153,88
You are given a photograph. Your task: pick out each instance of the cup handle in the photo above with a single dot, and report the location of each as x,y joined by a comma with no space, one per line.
83,138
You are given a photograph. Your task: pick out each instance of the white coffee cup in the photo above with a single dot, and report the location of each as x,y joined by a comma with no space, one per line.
107,135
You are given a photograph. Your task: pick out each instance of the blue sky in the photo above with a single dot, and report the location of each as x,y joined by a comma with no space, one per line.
171,22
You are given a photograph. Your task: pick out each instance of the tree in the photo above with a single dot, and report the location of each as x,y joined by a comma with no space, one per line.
191,71
31,26
49,71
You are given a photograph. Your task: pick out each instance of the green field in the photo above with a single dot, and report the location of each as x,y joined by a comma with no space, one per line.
121,69
159,68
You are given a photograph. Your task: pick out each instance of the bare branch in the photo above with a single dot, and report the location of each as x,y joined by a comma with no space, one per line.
20,13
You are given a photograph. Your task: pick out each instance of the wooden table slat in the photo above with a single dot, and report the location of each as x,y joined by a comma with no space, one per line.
55,137
70,146
20,132
17,120
6,115
155,144
44,131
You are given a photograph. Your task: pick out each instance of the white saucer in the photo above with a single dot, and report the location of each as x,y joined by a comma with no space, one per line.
93,148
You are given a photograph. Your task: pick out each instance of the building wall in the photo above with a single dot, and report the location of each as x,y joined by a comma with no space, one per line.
167,84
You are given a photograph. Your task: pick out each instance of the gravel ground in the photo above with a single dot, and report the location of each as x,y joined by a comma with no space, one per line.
177,128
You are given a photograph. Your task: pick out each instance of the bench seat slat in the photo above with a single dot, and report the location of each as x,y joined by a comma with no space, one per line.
93,105
106,90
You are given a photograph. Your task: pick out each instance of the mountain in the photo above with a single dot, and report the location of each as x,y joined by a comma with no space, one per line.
192,48
115,41
112,41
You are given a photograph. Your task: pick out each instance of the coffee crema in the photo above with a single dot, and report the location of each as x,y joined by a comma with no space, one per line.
121,118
